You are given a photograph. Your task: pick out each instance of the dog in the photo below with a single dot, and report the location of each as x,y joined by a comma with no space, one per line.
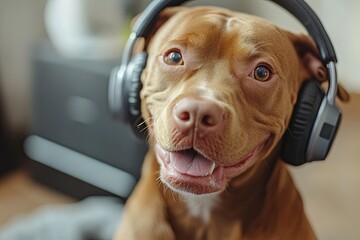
218,92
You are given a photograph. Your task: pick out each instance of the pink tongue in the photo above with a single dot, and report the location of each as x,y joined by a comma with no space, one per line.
191,163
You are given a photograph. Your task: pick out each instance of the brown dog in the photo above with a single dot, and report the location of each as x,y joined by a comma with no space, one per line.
218,93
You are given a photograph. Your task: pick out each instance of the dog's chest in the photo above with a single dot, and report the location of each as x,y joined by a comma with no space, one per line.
200,206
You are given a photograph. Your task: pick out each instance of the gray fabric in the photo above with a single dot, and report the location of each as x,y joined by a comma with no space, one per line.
92,218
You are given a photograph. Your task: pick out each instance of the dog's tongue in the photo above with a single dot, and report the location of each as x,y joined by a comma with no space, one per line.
191,163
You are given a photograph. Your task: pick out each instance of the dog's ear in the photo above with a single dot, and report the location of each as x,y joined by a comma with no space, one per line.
163,16
309,56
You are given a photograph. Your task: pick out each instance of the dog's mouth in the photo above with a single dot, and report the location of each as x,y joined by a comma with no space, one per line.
190,171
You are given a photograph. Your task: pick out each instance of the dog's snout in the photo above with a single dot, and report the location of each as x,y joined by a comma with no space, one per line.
203,115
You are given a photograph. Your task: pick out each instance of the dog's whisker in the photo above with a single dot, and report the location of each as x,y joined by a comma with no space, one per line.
144,128
160,184
140,124
144,121
167,190
150,135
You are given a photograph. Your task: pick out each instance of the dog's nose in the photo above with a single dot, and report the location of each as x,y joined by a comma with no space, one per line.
202,115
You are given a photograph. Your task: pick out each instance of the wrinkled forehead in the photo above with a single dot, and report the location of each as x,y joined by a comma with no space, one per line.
221,28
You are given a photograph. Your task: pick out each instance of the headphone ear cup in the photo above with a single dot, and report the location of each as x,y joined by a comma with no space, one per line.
131,90
296,138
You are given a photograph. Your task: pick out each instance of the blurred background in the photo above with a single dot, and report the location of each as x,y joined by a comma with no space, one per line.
62,156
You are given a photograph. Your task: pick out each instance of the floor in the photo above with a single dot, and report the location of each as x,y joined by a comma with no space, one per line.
331,189
19,195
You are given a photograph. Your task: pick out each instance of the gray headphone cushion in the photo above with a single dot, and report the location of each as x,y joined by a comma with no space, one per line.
296,138
133,85
132,90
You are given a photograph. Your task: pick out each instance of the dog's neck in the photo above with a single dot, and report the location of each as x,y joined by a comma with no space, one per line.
200,206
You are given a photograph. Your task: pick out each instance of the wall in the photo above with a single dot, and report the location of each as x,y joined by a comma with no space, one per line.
21,26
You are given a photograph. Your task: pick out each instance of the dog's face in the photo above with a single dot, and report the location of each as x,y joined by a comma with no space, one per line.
218,92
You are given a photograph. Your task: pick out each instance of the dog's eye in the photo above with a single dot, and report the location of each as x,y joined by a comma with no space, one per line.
173,58
262,73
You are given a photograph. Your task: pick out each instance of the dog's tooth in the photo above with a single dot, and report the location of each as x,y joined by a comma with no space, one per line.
212,168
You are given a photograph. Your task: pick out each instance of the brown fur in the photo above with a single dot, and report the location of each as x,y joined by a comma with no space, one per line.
220,48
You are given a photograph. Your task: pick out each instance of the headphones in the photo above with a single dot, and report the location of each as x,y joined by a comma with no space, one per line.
315,117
